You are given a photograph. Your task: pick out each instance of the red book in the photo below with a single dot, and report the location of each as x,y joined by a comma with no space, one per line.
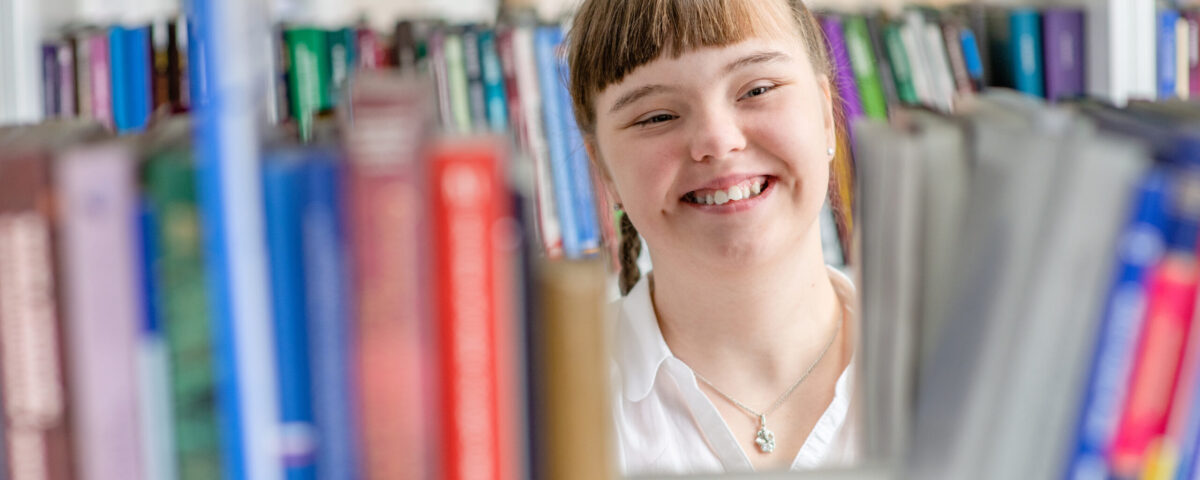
474,324
100,79
392,119
371,53
32,357
1171,297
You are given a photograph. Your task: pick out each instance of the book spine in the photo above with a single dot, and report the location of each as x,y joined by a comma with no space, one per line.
887,78
546,42
283,195
1166,60
441,77
50,81
548,227
512,92
934,43
341,62
901,67
101,308
1026,45
120,79
386,160
583,197
1193,41
308,76
474,70
100,79
154,377
862,60
1182,54
184,299
952,38
232,35
32,354
371,53
467,205
140,77
405,41
326,277
1062,30
159,49
843,72
971,55
66,80
1140,248
83,84
493,83
574,360
457,82
910,38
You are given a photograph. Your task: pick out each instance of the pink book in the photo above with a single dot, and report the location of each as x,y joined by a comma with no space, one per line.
101,307
1171,301
101,79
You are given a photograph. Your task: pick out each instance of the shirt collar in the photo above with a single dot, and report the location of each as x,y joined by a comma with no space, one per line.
640,345
642,350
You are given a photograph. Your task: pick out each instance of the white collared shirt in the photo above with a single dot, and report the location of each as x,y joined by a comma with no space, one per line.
666,425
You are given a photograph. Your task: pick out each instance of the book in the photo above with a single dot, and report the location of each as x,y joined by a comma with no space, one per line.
545,43
1110,31
467,204
901,67
573,350
972,56
51,87
153,362
385,195
1166,59
99,78
843,72
1192,17
1062,31
102,303
232,34
170,179
495,104
129,56
283,198
331,347
534,141
583,193
862,61
342,53
952,37
929,38
1020,53
472,63
457,82
876,22
1184,44
310,79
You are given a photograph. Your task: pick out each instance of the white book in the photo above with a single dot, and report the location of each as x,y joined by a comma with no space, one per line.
549,230
21,30
919,67
943,79
1143,63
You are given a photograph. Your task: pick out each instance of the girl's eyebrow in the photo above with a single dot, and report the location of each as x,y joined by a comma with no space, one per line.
637,94
756,58
751,59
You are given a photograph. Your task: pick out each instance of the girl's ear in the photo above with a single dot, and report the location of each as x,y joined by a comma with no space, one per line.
593,151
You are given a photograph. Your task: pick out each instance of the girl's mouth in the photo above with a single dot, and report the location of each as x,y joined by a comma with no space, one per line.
746,190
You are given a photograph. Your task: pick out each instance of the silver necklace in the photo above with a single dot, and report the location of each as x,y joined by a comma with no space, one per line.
765,438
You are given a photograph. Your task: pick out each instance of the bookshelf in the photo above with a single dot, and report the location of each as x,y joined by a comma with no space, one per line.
210,271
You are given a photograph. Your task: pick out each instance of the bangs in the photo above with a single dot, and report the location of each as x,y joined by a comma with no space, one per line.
611,38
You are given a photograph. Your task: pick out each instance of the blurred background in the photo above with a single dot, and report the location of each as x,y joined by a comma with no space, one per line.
341,239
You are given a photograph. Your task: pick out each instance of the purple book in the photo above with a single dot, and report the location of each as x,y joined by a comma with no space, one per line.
1062,33
843,74
101,303
50,80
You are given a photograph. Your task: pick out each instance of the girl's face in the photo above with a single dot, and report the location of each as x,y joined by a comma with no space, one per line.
720,154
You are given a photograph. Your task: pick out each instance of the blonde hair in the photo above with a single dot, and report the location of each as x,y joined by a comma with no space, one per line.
611,38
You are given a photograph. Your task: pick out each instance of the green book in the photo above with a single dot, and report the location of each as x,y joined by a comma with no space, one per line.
456,71
862,61
179,264
310,76
901,68
342,58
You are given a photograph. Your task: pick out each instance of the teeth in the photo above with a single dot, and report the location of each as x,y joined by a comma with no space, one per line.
708,199
721,197
735,193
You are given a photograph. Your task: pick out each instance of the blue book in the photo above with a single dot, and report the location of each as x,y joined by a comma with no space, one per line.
329,322
229,189
284,182
546,42
583,198
1166,53
971,56
129,57
1140,247
493,82
1025,46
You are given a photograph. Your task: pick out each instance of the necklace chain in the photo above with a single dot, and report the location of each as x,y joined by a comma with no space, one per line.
762,416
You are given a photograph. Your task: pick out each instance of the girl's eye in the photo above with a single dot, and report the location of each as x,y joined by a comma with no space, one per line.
660,118
756,91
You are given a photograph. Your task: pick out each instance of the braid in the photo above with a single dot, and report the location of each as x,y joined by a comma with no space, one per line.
631,249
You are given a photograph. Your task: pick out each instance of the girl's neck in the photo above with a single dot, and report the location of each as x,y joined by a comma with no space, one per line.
751,327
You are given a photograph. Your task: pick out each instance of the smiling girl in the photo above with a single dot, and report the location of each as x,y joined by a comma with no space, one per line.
712,122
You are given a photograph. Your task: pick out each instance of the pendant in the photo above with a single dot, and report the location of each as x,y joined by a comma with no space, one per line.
765,438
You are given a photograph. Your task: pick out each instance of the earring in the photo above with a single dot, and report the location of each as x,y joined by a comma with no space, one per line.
831,151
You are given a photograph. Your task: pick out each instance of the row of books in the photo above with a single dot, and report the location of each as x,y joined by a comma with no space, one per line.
1029,279
411,328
